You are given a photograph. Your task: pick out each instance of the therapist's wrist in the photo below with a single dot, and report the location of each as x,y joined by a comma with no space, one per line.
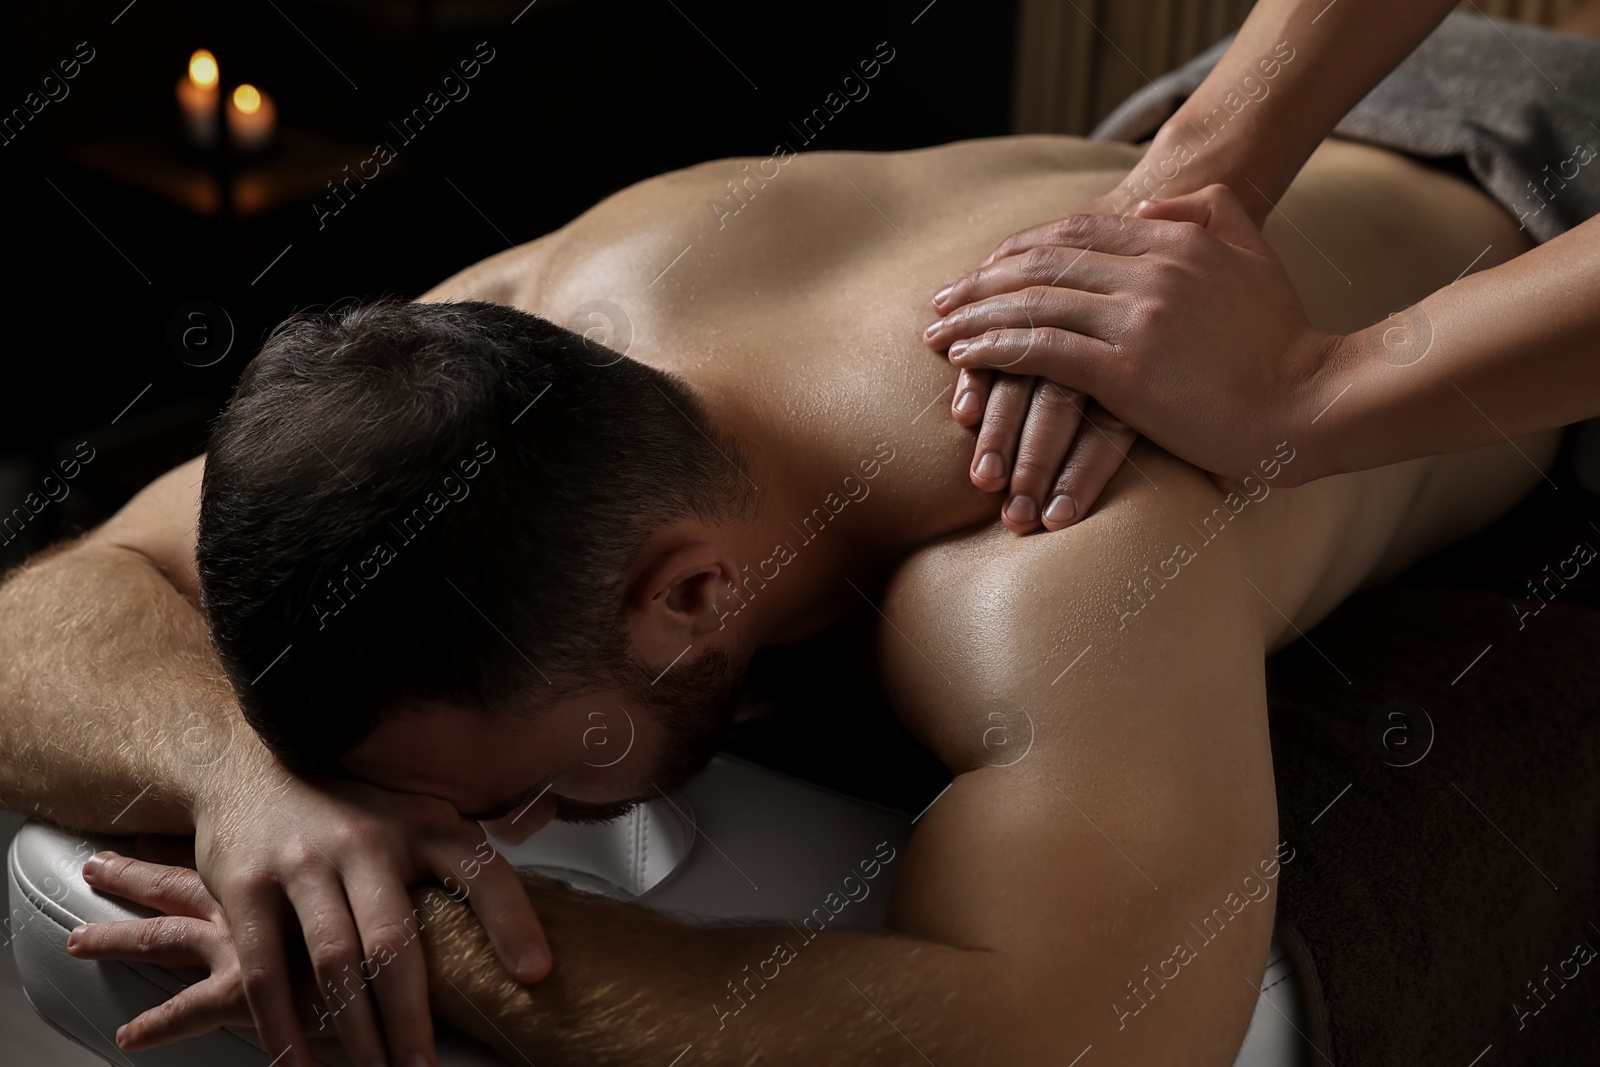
1351,416
1181,160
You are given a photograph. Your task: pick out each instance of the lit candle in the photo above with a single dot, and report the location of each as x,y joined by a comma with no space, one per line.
251,117
197,96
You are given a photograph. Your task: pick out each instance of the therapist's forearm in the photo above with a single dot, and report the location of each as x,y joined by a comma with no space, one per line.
1499,354
1258,116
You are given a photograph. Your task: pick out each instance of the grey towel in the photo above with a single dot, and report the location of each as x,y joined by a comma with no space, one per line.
1520,104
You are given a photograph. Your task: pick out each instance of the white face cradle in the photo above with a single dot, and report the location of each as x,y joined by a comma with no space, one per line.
738,842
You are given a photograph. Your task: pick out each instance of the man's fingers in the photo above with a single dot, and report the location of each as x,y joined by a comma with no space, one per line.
336,951
1054,415
1076,268
502,905
253,910
1097,454
199,1009
163,941
1074,360
174,890
1037,306
971,396
394,961
169,849
996,449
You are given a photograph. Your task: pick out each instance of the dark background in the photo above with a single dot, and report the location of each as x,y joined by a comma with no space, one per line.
583,97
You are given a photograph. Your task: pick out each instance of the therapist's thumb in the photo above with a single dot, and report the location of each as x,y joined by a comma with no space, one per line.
1214,207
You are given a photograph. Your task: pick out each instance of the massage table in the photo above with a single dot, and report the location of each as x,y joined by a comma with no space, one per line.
738,842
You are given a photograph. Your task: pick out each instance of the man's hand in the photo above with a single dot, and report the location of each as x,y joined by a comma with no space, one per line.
193,932
1179,318
341,855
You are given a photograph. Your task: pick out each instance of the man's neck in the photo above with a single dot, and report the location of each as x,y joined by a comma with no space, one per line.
816,541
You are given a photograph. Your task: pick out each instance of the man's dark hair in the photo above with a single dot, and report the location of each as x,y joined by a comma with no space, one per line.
438,501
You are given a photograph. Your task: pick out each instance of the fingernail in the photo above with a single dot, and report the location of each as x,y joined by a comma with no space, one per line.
120,1030
968,403
92,865
1060,509
933,328
77,931
1021,509
990,466
532,961
942,295
958,348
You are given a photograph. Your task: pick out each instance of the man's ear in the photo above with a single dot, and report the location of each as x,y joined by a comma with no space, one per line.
683,593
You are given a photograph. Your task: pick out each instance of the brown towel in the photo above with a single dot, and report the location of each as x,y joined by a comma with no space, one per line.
1448,894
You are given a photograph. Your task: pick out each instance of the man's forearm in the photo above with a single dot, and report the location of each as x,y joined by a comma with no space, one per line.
632,987
113,707
1293,71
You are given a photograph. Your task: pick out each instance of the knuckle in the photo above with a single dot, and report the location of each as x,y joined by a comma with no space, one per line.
1053,399
334,953
1037,263
257,979
1033,301
153,936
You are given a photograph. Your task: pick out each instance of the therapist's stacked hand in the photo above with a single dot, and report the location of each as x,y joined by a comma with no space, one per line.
1126,310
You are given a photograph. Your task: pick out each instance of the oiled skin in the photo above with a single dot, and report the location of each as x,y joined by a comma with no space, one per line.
1146,794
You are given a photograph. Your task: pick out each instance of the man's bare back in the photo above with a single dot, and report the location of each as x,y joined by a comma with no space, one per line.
1128,649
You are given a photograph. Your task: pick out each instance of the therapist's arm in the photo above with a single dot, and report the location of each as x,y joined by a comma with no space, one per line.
1293,71
1505,352
1502,353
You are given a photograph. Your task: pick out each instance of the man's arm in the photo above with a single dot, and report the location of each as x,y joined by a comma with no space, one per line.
631,986
1044,904
113,708
116,716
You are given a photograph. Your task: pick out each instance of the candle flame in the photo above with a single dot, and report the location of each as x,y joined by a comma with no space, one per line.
247,99
203,69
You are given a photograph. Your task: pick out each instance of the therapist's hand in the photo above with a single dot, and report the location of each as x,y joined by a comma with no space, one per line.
336,857
1179,318
1048,448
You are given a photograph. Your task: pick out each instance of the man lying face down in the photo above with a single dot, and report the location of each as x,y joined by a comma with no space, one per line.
437,611
458,562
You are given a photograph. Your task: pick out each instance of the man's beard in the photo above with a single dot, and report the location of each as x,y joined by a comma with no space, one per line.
694,705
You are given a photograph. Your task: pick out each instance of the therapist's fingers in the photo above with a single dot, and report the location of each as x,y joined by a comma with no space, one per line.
1054,415
1097,454
335,948
1002,428
1074,360
1035,306
1078,268
1214,208
971,396
1117,235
